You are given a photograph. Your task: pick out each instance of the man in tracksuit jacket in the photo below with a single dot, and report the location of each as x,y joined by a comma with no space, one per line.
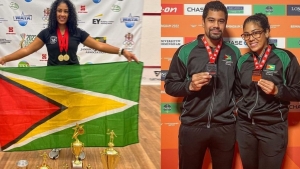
207,118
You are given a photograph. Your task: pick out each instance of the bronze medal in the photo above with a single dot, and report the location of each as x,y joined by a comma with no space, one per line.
66,57
61,57
256,75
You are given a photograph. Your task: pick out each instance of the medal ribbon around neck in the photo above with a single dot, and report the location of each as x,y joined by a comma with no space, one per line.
63,43
212,56
259,66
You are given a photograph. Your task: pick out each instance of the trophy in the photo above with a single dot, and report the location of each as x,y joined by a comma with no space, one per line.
77,146
44,165
109,156
23,35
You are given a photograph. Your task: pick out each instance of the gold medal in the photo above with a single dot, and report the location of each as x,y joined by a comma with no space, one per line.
61,57
66,57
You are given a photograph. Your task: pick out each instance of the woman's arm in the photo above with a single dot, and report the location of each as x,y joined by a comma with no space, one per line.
92,43
32,47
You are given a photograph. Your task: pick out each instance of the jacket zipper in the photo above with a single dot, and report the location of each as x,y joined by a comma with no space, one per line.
280,111
256,100
211,103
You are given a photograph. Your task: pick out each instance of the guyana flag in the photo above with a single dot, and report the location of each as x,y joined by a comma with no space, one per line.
40,106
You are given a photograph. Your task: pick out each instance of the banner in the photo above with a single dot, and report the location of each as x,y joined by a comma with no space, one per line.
39,106
181,22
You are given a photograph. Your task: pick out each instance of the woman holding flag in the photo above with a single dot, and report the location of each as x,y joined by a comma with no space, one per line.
62,38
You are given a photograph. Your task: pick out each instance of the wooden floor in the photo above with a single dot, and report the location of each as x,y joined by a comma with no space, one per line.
143,155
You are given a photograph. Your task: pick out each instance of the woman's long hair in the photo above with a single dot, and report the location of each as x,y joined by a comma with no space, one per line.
72,18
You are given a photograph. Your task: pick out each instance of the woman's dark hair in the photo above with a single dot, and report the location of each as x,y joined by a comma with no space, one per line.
72,18
260,19
214,6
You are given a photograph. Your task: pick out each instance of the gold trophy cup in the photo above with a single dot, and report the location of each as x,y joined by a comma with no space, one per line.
77,146
109,156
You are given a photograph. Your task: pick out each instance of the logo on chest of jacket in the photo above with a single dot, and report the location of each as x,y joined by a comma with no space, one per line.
53,40
227,59
270,70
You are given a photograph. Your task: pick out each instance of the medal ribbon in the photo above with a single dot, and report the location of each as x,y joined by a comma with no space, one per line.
63,41
259,66
212,56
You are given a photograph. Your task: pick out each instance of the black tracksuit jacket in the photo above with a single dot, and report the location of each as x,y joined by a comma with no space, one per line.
213,105
282,68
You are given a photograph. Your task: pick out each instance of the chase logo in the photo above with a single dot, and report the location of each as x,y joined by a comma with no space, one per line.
238,42
193,9
270,67
293,10
23,19
130,20
294,107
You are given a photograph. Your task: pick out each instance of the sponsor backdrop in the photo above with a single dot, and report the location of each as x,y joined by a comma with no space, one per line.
181,22
116,22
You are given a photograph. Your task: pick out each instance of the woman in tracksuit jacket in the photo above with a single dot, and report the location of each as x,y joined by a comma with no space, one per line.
266,89
207,118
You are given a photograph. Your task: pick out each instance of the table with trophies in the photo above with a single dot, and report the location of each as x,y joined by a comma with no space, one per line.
107,158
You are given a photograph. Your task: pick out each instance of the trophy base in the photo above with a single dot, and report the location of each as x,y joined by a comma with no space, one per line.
77,166
110,158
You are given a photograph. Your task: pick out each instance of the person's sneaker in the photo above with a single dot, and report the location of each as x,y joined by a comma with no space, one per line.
54,154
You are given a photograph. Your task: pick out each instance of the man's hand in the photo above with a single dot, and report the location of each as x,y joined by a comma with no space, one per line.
199,80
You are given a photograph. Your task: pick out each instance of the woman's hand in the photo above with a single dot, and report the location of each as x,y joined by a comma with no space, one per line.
267,86
2,61
129,56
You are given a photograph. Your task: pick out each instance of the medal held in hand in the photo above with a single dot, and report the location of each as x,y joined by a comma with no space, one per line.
211,67
256,75
63,43
257,72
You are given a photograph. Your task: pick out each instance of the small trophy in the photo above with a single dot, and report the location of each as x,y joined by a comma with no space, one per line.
44,165
23,35
109,156
77,147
